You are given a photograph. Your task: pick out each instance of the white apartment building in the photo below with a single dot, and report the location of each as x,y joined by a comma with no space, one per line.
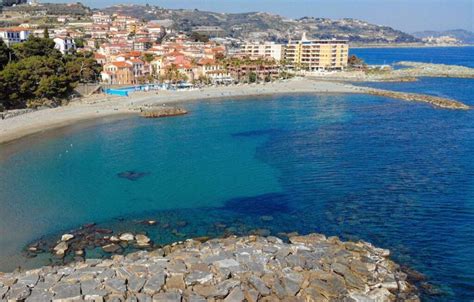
14,35
263,50
65,45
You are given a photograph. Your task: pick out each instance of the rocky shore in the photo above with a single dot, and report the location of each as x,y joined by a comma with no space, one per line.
252,268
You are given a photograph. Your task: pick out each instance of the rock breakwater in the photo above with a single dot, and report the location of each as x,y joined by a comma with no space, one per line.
157,112
252,268
424,98
418,69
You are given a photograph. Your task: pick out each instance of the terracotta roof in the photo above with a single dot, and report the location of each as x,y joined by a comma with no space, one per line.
121,64
14,29
99,56
136,61
206,61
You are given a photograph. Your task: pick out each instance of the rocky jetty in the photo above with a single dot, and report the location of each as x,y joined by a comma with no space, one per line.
162,111
416,97
418,69
252,268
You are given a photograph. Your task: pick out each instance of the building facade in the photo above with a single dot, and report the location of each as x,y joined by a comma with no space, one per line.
66,45
14,35
268,50
317,55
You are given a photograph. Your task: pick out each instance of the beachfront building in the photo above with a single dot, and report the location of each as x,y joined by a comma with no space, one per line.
263,72
269,50
118,73
14,35
316,55
215,73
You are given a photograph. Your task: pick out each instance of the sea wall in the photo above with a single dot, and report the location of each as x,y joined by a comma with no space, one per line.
252,268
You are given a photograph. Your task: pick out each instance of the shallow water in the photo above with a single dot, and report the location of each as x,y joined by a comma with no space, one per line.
397,174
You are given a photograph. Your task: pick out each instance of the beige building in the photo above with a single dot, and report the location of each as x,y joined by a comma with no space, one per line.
263,50
317,55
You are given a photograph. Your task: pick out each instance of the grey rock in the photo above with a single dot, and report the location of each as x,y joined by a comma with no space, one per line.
116,286
143,297
40,296
18,292
235,295
198,277
167,297
66,292
111,248
154,284
3,291
29,280
89,286
226,263
106,274
135,284
259,285
291,286
196,298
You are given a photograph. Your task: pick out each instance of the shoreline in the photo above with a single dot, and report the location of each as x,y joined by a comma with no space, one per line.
102,106
96,107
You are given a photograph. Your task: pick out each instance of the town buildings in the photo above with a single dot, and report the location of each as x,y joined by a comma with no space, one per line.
133,51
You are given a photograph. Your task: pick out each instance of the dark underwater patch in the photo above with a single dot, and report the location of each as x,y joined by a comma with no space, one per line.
265,204
132,175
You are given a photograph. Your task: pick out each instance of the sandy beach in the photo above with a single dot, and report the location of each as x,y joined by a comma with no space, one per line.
102,106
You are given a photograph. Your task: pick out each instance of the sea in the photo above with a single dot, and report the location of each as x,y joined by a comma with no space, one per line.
397,174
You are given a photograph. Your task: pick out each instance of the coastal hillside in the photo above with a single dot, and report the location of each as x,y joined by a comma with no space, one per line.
265,26
462,35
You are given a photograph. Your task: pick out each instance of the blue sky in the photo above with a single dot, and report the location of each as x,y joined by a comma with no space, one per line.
407,15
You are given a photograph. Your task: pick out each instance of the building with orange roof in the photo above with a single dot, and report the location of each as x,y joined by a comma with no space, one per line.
118,73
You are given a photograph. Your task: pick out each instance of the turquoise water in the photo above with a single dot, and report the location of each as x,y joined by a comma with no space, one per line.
397,174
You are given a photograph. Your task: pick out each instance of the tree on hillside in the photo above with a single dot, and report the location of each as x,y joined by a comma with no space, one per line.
35,46
83,68
46,33
34,78
5,54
